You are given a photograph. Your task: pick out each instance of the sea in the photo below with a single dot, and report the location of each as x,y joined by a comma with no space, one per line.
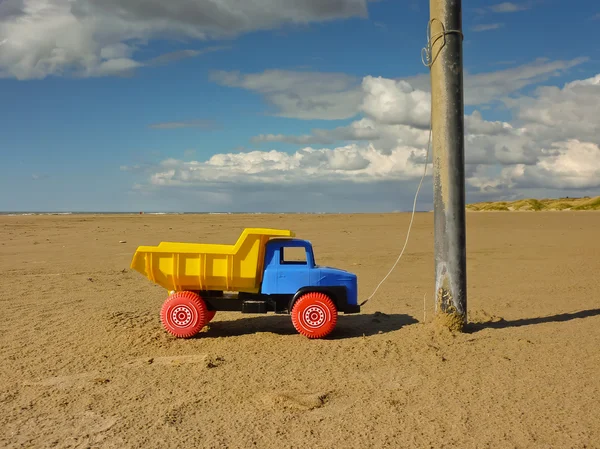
25,213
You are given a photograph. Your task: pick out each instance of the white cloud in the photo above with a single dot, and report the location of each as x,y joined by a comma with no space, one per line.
486,141
359,130
351,163
558,114
399,115
346,178
334,96
550,144
181,54
487,27
395,102
97,38
509,7
509,149
567,165
554,142
303,95
475,124
486,87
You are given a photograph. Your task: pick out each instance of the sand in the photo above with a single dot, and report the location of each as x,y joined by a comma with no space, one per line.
84,361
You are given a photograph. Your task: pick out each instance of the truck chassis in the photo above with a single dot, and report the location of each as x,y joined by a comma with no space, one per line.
314,310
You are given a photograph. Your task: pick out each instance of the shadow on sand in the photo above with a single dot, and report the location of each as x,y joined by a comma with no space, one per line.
474,327
348,326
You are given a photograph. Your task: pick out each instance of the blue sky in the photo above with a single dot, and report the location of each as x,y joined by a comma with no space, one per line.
80,136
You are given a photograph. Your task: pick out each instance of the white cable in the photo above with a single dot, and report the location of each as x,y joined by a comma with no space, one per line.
428,60
410,224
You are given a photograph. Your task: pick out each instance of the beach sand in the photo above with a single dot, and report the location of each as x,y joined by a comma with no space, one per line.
84,361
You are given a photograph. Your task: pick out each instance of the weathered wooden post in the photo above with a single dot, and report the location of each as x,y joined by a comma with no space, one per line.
448,162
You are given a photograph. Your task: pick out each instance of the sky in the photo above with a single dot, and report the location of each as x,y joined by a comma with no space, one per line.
286,105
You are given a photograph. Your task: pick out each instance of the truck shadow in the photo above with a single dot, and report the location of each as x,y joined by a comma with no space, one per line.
348,326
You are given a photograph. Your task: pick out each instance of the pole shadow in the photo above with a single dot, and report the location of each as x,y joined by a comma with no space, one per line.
348,326
503,324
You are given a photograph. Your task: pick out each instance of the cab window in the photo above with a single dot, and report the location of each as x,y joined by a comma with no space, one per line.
293,255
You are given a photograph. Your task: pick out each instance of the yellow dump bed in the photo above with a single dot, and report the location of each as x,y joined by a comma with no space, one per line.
201,266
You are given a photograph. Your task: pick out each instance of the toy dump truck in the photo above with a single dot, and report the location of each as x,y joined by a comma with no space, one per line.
260,273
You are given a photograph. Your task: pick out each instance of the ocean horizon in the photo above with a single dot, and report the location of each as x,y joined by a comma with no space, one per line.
27,213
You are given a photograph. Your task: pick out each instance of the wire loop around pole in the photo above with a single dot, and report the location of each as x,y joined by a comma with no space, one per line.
426,51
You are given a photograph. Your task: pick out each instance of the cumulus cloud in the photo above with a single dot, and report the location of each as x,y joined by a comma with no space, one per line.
395,102
487,140
100,37
345,178
475,124
333,96
514,148
398,115
351,163
555,113
553,142
550,144
318,95
567,165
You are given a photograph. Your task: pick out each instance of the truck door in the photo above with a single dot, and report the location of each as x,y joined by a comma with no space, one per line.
294,269
269,281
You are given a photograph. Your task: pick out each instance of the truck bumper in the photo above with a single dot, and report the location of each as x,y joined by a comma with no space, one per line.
352,308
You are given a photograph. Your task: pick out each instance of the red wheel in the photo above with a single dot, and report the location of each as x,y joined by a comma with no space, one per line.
210,314
183,314
314,315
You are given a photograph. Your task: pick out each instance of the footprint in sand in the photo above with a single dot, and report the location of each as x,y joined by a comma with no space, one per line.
84,379
88,429
297,401
207,360
65,381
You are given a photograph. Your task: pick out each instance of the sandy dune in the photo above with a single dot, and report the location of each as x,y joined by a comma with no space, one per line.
532,204
84,361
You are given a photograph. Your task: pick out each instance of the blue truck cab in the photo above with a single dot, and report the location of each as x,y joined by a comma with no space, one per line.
286,274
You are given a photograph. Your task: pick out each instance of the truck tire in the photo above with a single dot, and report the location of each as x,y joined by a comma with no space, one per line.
184,314
314,315
210,314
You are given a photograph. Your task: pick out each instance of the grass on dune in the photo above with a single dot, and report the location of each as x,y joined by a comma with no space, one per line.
532,204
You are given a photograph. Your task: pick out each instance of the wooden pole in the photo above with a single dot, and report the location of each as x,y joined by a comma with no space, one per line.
448,162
